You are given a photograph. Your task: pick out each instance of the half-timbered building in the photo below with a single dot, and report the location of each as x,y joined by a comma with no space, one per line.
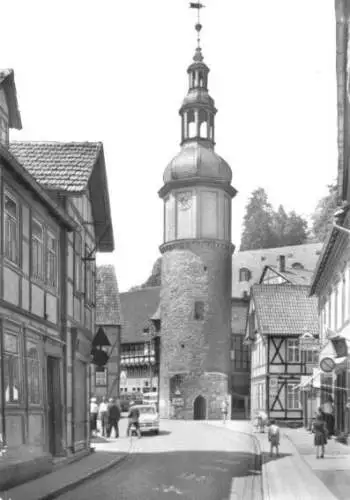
55,216
279,314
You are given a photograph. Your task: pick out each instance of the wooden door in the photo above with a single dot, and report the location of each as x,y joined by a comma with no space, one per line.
54,405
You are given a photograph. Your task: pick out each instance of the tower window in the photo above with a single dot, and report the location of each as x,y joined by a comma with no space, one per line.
244,274
199,310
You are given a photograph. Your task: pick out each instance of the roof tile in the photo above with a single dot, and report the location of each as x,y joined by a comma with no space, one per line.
285,309
58,165
108,309
138,307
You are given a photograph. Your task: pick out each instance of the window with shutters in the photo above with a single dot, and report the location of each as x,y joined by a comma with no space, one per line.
11,223
37,250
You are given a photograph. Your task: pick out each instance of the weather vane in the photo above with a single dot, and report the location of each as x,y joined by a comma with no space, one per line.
198,26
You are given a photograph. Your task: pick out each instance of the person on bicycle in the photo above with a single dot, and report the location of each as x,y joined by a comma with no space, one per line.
133,420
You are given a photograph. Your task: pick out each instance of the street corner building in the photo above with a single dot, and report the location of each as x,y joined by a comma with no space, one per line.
53,199
279,314
196,280
105,378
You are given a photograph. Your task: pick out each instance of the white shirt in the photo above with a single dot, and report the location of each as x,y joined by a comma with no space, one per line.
103,407
93,408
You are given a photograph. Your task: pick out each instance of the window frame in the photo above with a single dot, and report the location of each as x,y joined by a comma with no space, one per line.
49,253
37,364
244,275
89,278
16,220
293,346
296,397
10,356
199,310
40,274
104,378
77,264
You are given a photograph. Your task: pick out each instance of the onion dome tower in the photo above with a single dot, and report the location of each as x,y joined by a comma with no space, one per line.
195,304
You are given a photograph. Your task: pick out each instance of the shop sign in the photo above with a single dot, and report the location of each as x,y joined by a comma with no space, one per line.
308,342
178,401
327,365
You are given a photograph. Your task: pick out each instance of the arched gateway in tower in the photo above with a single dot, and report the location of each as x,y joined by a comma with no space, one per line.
197,251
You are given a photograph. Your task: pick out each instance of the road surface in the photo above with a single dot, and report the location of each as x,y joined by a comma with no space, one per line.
187,461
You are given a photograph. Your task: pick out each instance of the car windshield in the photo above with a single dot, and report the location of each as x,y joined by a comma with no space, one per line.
147,409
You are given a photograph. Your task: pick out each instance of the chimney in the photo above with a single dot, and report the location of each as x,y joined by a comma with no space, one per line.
282,259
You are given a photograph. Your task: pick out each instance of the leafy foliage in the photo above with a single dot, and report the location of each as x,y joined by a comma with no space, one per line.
322,217
265,228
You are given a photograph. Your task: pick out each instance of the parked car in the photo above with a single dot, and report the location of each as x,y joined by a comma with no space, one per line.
149,418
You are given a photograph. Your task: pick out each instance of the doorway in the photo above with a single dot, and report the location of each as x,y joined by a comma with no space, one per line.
199,408
54,405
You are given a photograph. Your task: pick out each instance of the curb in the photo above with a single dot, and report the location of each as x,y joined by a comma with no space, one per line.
257,464
89,475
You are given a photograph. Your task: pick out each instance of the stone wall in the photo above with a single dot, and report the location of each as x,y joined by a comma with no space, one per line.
195,271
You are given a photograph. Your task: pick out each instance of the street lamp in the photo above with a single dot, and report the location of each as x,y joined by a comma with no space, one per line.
100,351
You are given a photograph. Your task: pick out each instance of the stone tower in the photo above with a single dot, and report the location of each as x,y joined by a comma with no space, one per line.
195,303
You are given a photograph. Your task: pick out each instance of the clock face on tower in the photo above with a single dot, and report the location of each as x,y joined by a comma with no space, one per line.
184,201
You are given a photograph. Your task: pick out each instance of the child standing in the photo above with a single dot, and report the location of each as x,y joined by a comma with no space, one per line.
274,437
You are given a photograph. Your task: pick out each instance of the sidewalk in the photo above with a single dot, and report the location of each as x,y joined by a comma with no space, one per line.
288,476
333,470
107,454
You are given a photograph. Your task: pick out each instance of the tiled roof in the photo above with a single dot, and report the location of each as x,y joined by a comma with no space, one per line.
239,315
256,260
9,161
138,307
58,165
108,309
285,309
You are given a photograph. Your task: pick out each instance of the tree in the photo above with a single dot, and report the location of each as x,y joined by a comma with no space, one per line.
325,208
295,231
258,222
265,228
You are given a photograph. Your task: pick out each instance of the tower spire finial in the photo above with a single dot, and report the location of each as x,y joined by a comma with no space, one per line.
198,26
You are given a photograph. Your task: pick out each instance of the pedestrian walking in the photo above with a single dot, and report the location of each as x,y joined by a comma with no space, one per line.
320,430
274,437
103,414
133,420
224,410
113,418
93,416
328,411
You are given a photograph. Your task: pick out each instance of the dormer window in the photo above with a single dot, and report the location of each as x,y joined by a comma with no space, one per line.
4,130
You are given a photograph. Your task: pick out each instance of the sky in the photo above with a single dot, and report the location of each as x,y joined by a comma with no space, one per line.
115,71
